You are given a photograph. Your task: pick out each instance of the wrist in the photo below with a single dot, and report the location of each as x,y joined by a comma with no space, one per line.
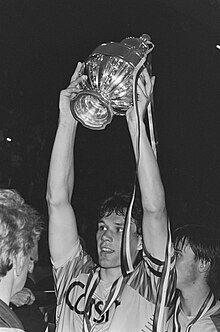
133,125
67,121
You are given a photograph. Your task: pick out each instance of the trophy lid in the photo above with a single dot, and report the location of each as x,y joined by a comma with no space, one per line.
131,49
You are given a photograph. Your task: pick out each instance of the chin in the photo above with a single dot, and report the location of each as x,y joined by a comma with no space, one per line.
107,265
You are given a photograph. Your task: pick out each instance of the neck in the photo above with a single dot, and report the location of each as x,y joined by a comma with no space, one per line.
110,275
191,299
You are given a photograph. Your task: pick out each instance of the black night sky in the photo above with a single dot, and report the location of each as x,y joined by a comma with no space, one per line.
40,44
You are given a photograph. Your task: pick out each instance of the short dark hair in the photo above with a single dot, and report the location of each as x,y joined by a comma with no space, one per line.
119,203
205,243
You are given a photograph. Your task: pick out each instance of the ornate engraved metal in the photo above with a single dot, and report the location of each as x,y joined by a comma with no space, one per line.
108,89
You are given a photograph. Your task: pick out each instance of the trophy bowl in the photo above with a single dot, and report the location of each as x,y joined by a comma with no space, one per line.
108,88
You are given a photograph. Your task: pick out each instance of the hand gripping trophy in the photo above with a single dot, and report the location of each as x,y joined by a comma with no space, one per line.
108,90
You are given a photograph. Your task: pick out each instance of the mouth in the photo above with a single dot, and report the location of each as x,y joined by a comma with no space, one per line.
106,250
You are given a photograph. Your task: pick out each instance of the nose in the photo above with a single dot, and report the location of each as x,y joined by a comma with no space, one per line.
31,266
107,235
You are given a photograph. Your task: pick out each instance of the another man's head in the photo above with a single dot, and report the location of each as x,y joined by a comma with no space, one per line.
110,230
20,229
198,256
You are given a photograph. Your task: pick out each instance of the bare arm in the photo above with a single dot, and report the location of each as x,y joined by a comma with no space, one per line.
152,191
62,222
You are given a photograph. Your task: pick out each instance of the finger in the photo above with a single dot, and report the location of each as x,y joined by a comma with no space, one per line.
21,301
74,87
77,71
153,78
30,300
141,90
146,77
148,85
78,80
141,86
70,93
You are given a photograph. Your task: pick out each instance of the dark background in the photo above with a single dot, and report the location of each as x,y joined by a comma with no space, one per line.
40,44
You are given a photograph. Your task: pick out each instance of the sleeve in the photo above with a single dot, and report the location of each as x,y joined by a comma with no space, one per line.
71,266
147,277
71,255
162,274
166,287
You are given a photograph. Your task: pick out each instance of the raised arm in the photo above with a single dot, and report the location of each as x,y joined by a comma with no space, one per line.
152,192
62,222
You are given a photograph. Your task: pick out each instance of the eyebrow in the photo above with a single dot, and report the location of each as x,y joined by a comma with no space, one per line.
119,224
115,223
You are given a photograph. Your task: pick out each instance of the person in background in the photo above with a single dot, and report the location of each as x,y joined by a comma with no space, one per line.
20,228
24,303
196,307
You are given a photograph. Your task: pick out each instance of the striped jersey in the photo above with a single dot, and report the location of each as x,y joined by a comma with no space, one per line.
132,311
209,321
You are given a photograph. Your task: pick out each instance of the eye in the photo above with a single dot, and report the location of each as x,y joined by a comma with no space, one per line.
178,253
102,228
120,229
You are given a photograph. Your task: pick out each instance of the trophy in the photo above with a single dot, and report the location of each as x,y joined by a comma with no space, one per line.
108,90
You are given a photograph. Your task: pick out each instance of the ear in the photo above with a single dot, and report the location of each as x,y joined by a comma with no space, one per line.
18,263
204,266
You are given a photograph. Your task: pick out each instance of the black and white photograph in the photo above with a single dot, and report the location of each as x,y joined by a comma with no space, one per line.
109,166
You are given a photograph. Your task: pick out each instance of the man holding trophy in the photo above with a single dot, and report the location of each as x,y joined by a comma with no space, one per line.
104,297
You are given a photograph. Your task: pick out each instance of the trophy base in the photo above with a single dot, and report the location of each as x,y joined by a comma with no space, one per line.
92,110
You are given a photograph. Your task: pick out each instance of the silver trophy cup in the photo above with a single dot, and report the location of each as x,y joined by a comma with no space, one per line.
108,88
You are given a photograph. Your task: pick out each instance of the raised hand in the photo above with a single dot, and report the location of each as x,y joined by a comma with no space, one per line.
70,92
145,87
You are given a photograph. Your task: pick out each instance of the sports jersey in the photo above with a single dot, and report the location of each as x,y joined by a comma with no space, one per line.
131,311
208,321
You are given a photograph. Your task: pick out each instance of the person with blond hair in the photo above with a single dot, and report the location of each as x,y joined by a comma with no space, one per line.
20,228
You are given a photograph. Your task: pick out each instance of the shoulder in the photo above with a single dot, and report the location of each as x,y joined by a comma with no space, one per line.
78,262
71,255
76,256
215,316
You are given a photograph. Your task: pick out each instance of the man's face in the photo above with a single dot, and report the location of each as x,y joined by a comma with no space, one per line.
109,240
186,267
